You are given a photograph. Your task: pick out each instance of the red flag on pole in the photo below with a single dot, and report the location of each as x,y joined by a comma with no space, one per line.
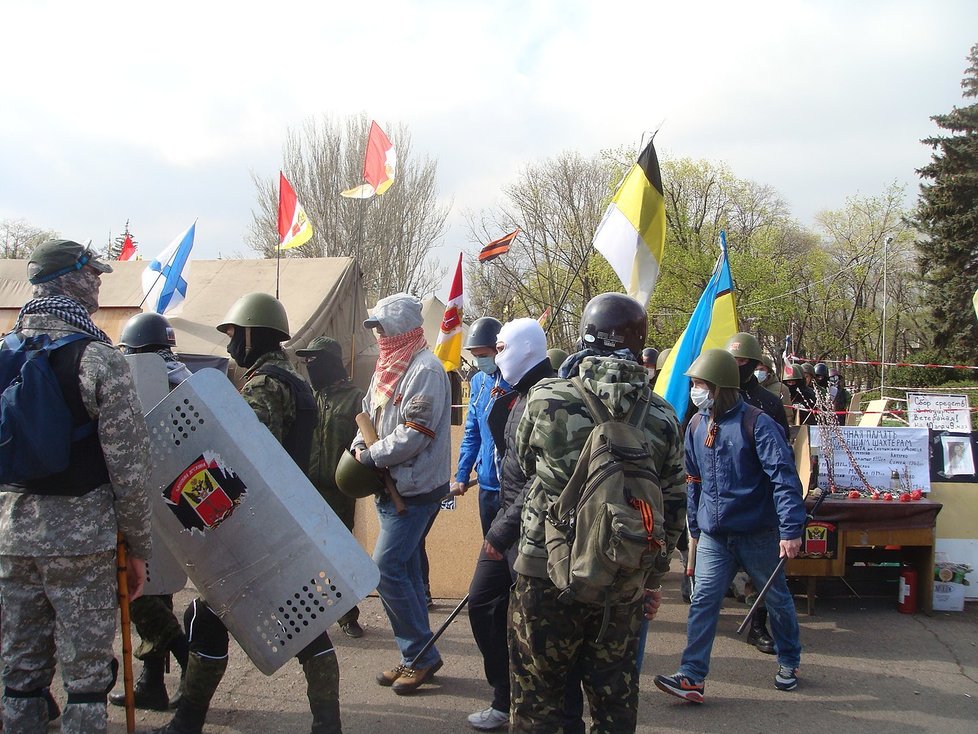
379,166
294,227
128,249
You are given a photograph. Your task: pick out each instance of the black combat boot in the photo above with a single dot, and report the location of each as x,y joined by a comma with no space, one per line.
758,635
150,689
203,675
323,691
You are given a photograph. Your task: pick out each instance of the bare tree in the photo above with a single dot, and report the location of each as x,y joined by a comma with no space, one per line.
557,203
391,236
20,237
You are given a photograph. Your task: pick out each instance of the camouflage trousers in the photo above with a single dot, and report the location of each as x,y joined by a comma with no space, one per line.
66,604
549,638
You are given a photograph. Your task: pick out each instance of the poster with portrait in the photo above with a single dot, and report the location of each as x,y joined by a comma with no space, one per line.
952,457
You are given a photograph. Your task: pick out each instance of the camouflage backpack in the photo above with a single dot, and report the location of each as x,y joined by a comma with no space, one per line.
605,530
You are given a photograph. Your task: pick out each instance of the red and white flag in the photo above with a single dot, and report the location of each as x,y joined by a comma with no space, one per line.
294,227
448,348
379,166
128,249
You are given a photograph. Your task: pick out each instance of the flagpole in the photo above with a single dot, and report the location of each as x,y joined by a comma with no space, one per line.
570,283
357,272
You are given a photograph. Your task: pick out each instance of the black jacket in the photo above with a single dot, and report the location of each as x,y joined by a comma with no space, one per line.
504,417
760,397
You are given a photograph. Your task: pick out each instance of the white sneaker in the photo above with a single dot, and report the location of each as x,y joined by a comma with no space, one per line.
488,719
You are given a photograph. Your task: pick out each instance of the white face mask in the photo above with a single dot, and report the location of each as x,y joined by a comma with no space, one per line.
761,375
701,398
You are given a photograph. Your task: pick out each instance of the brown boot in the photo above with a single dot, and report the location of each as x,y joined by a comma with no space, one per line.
388,677
412,678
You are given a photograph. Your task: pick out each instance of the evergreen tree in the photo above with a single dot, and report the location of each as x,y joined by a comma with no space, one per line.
947,215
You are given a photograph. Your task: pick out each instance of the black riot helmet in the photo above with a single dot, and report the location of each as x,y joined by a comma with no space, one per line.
483,333
613,321
821,370
147,330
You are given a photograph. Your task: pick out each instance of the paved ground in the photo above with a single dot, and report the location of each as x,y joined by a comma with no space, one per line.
866,668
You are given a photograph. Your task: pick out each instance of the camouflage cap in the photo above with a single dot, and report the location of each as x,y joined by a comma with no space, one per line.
319,345
53,258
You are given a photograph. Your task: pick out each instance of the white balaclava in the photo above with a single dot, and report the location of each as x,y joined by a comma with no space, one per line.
524,347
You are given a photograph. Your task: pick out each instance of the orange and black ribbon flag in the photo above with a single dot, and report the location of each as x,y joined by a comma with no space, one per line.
498,247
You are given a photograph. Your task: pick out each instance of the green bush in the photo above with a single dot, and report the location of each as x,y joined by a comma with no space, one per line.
926,376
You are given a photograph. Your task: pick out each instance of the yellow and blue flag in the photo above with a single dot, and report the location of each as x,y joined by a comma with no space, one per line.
714,320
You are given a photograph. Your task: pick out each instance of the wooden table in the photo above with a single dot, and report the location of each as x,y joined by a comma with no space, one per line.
865,523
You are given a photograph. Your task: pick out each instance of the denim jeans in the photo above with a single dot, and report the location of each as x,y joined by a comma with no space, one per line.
398,556
718,558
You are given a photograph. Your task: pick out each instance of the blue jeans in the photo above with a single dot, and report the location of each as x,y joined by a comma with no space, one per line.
398,556
718,558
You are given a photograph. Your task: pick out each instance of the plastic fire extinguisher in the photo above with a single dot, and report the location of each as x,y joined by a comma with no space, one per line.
908,591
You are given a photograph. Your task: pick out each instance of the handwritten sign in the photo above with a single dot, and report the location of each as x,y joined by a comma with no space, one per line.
939,412
878,451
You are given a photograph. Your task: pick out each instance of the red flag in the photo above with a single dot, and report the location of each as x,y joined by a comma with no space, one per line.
498,247
294,228
379,166
448,347
128,249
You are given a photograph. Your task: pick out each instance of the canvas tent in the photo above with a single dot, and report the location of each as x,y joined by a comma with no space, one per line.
322,296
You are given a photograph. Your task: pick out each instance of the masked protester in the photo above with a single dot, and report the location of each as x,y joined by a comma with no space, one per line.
283,401
746,350
549,440
744,509
58,532
476,451
338,401
409,401
802,396
840,396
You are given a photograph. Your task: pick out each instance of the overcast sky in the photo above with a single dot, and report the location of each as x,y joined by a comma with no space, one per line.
159,112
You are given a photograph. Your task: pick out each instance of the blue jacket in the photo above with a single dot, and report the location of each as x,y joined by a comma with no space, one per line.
477,445
733,487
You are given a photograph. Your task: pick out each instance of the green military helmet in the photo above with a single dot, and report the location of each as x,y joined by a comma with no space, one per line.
716,366
745,346
148,329
53,258
808,368
354,479
768,362
557,357
258,309
660,361
792,372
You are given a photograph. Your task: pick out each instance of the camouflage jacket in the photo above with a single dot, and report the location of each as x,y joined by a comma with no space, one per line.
36,525
338,408
552,433
269,397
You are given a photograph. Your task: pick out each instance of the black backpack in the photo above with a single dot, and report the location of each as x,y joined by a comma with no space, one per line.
37,429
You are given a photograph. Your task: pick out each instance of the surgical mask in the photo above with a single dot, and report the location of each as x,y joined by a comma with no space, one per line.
761,375
486,364
701,398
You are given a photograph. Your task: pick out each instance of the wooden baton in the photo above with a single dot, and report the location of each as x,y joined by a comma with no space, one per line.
369,434
121,574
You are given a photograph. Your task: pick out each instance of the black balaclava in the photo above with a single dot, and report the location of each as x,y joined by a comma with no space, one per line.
325,369
747,370
263,341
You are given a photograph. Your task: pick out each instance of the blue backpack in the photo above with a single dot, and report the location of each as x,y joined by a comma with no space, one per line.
36,425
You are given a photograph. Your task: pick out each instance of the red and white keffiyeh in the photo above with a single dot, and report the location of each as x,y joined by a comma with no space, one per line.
395,355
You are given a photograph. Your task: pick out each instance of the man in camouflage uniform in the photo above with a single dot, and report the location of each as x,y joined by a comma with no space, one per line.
152,616
58,533
550,636
284,402
338,401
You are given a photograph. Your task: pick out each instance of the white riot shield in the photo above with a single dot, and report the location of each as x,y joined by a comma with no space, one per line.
164,573
265,551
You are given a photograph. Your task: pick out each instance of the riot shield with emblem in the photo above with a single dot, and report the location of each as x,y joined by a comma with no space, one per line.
262,547
164,573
